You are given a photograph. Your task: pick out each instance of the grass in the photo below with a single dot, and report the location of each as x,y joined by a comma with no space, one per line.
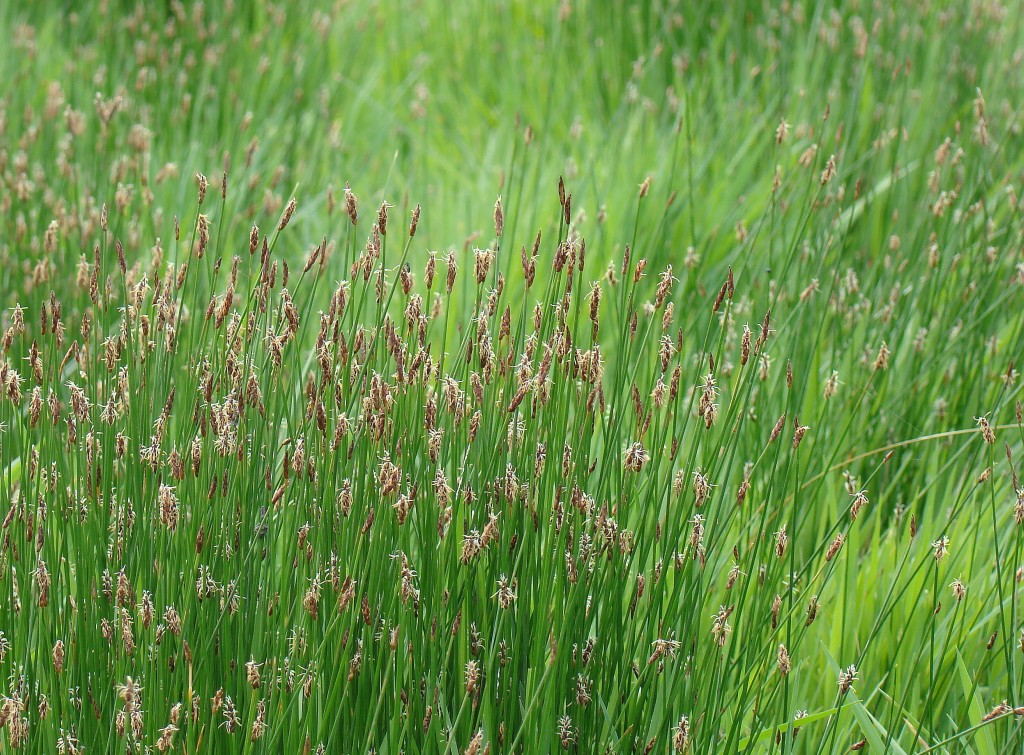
511,377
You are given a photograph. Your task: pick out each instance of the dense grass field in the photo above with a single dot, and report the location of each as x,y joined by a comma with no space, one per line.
438,377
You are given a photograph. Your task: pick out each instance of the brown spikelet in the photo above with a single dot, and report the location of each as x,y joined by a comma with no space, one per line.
834,546
351,205
763,337
289,210
798,432
202,183
414,222
499,218
720,298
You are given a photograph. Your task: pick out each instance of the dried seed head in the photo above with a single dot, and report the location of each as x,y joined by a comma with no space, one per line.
635,457
166,740
798,432
203,184
167,501
476,743
987,432
720,298
781,132
745,346
412,227
231,720
472,676
835,546
389,477
203,229
720,627
707,408
830,170
832,385
566,732
289,210
846,679
860,500
130,693
783,660
42,579
882,360
482,259
781,541
741,492
701,488
958,588
58,656
452,272
812,610
499,218
664,287
351,205
583,687
252,673
681,735
471,546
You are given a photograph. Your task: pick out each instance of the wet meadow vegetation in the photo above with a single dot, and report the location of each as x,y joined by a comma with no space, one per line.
511,377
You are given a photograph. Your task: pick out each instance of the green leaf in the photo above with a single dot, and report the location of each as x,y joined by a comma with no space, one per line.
767,734
878,737
983,739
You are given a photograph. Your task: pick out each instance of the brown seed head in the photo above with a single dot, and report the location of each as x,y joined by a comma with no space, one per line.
415,222
289,210
203,184
499,218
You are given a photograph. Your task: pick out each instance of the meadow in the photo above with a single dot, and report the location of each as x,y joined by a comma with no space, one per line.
423,377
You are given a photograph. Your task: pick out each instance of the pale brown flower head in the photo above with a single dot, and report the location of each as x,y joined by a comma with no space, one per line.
987,433
636,457
846,679
958,588
681,735
783,660
781,132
